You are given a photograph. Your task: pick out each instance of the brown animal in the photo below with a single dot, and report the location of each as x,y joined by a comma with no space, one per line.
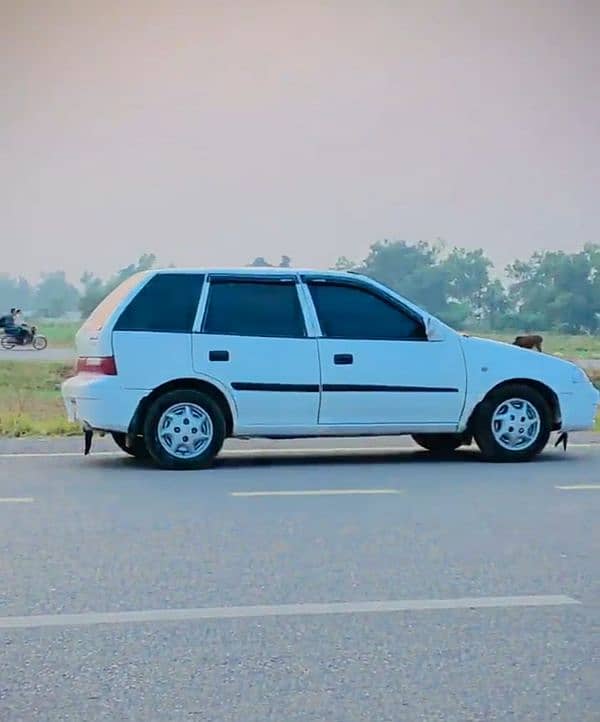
531,342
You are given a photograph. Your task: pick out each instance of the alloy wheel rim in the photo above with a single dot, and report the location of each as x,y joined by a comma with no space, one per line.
185,430
516,424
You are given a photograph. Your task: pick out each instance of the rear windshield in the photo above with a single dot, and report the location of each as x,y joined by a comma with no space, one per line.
105,308
167,303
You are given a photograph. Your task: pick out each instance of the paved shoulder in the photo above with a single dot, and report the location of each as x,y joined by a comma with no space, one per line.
28,354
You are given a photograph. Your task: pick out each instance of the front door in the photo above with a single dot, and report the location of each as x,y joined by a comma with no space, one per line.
377,366
253,340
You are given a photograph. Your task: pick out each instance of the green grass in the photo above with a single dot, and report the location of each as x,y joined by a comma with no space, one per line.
58,334
30,400
555,343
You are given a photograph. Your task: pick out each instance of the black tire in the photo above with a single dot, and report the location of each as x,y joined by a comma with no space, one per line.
440,443
138,448
157,451
482,424
39,343
8,342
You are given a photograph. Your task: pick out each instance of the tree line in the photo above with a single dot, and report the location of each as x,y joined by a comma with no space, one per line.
54,296
551,290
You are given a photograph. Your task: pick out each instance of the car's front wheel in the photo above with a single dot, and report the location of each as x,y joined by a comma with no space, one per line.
184,429
513,423
440,443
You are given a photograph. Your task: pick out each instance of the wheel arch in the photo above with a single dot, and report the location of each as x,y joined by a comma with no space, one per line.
548,394
218,395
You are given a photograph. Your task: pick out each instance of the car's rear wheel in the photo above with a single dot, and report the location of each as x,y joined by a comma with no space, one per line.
137,449
184,429
440,443
513,423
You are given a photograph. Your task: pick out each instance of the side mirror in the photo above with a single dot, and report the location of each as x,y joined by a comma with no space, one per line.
434,329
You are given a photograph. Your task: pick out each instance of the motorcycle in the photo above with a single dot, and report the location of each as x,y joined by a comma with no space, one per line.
34,339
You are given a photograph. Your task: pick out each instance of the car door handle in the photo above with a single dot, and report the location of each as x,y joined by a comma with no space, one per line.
218,355
343,359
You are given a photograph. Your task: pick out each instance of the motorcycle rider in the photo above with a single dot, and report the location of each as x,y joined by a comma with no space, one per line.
8,321
14,325
23,332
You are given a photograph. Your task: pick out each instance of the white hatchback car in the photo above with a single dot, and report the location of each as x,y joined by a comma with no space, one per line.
175,361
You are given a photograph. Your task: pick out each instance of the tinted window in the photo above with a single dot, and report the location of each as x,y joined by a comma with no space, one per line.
256,308
168,302
352,312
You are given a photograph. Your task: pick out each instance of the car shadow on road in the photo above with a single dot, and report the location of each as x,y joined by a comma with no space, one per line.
402,456
273,458
407,456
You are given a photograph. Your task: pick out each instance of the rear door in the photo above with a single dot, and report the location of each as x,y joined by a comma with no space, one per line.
253,339
377,366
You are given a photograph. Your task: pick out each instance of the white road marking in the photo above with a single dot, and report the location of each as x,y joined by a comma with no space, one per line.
316,492
49,454
16,500
274,451
302,451
293,451
579,487
281,610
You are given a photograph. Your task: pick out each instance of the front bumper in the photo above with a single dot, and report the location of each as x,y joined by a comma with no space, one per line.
579,408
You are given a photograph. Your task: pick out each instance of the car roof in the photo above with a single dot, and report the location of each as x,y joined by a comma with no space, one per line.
257,271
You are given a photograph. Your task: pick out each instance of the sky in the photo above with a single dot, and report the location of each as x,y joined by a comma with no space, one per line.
213,132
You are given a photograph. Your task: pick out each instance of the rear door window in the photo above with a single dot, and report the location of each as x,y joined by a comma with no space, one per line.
254,308
167,303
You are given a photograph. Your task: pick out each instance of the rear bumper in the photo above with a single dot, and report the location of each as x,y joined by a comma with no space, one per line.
100,402
579,408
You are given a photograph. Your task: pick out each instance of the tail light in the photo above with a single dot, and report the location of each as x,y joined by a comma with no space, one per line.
101,365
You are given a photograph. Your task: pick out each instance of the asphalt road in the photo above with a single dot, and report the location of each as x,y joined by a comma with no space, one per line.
65,355
445,590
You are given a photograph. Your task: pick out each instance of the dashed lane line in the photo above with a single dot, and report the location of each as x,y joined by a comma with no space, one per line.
316,492
282,610
579,487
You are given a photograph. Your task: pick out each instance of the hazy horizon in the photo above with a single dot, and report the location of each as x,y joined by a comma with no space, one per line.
211,133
